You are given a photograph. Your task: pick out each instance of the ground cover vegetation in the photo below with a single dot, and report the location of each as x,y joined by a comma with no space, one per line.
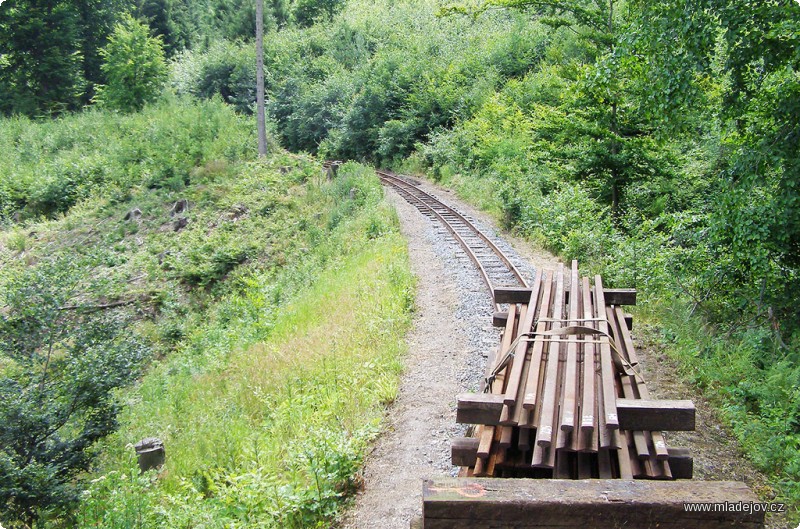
158,281
655,142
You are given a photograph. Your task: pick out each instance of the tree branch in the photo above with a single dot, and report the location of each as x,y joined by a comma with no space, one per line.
93,308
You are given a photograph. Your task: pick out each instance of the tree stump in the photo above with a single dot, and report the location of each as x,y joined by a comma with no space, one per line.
151,453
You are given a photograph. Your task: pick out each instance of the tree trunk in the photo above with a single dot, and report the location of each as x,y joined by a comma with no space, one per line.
260,112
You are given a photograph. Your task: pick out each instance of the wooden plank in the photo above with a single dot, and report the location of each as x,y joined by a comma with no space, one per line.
499,319
525,324
681,463
487,417
634,386
491,467
512,295
505,436
612,296
480,401
485,446
455,503
656,415
485,434
464,451
479,470
624,457
620,296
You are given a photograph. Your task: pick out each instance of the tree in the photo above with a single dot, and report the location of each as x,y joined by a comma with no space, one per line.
134,67
748,53
757,224
161,16
50,52
608,141
62,361
306,12
41,57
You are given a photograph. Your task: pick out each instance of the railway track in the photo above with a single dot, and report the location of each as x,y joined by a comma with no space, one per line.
564,399
495,268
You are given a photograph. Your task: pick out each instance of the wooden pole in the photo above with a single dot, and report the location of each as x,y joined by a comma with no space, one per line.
260,111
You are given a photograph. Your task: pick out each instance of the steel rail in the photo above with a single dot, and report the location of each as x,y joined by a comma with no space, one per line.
426,202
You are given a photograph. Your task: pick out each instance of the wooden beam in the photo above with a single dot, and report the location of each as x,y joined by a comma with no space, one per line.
613,296
499,319
656,415
475,408
480,401
454,503
680,461
620,296
464,451
633,414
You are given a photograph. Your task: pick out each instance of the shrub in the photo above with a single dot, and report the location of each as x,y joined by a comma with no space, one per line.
134,67
57,396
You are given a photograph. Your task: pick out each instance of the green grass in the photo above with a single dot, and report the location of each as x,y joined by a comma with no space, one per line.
273,434
750,380
50,166
276,314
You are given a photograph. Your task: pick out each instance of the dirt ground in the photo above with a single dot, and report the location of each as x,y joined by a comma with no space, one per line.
421,417
416,439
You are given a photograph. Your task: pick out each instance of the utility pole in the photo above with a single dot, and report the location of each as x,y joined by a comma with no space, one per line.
262,127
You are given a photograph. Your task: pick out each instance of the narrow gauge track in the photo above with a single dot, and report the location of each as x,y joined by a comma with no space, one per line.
494,266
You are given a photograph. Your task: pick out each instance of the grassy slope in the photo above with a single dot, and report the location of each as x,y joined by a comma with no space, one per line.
277,311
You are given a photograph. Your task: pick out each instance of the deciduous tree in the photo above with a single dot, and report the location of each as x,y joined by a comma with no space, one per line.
134,67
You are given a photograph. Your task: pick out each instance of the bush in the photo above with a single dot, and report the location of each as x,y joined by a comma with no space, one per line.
51,166
57,395
226,70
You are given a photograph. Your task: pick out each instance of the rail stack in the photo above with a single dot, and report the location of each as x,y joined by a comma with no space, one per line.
564,396
564,399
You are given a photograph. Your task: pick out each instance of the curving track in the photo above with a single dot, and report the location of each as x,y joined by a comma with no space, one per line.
493,265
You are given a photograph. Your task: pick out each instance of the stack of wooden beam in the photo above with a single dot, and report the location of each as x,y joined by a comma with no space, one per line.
564,396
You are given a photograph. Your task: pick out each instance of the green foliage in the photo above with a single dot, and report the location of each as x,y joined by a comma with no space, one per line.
50,60
307,12
226,69
53,81
167,20
271,258
57,393
50,167
134,67
689,113
267,406
654,141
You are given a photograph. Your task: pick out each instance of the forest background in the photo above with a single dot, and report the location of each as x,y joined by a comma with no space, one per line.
658,143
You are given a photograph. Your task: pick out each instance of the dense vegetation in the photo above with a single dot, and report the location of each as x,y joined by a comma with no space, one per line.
271,372
657,142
